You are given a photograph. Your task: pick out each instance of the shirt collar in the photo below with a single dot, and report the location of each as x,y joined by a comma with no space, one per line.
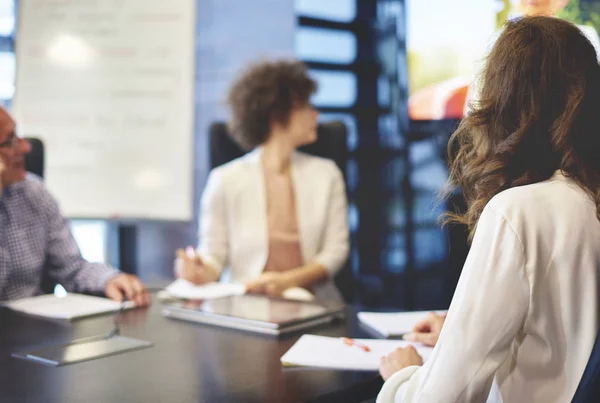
13,189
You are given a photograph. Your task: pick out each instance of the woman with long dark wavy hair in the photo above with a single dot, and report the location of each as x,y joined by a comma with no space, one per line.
527,158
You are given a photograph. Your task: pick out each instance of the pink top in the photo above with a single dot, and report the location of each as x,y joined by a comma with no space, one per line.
284,240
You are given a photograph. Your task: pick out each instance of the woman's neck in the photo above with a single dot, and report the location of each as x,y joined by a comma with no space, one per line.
277,153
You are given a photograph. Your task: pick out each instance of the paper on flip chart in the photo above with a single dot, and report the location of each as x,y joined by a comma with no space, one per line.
71,306
393,323
333,353
184,289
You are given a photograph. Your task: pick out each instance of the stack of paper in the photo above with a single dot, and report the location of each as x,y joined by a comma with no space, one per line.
393,324
71,306
185,290
333,353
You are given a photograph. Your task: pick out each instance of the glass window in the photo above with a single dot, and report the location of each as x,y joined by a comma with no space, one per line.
396,213
91,236
350,121
7,17
353,217
427,207
395,253
389,132
402,73
325,45
334,10
336,88
7,75
431,177
393,174
351,175
422,151
430,247
384,92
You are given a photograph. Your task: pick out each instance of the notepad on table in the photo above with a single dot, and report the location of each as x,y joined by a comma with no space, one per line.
334,353
184,289
389,324
69,307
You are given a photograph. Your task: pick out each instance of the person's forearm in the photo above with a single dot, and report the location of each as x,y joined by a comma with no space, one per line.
307,275
83,276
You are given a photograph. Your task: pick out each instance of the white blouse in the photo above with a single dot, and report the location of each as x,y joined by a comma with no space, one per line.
234,231
525,310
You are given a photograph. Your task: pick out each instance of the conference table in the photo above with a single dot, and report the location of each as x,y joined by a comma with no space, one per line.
189,362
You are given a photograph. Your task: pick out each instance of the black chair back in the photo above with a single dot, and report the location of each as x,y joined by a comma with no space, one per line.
331,143
34,161
588,390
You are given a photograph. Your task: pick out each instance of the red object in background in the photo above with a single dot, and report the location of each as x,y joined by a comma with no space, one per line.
446,100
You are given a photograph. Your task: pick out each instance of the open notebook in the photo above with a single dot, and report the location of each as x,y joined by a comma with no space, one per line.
183,289
69,307
333,353
388,324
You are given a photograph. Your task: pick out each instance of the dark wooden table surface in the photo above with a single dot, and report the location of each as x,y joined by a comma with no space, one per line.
188,363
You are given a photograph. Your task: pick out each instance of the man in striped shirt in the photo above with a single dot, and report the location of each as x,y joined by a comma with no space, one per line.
35,239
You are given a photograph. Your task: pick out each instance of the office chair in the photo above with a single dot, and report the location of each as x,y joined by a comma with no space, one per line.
588,390
34,161
331,143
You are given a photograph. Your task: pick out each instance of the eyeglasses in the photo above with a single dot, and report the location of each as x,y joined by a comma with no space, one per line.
11,142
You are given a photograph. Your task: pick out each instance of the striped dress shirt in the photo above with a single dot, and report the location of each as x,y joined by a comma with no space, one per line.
36,242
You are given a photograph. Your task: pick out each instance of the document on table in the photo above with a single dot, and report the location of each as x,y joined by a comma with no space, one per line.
186,290
334,353
69,307
389,324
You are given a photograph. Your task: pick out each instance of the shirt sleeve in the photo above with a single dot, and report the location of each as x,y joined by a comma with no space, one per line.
334,251
63,258
488,311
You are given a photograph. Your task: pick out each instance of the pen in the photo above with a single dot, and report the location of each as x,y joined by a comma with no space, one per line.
351,342
117,329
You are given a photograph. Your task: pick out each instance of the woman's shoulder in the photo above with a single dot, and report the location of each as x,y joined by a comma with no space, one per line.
233,168
315,163
547,198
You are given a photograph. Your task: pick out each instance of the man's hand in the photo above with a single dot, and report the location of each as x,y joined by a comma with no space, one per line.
193,269
398,359
428,330
271,283
128,286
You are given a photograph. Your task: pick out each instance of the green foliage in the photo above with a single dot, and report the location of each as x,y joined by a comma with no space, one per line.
582,13
502,15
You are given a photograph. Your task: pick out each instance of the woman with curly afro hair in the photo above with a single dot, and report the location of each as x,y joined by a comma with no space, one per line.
274,219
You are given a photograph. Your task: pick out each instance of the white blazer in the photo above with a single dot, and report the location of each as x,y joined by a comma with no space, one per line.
233,215
526,307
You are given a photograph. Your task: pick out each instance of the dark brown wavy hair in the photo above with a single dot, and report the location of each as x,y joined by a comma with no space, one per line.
266,91
538,112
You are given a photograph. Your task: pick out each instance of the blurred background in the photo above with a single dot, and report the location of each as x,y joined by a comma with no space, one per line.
397,76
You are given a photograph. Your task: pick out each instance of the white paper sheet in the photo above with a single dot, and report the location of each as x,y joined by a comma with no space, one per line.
184,289
393,323
333,353
71,306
